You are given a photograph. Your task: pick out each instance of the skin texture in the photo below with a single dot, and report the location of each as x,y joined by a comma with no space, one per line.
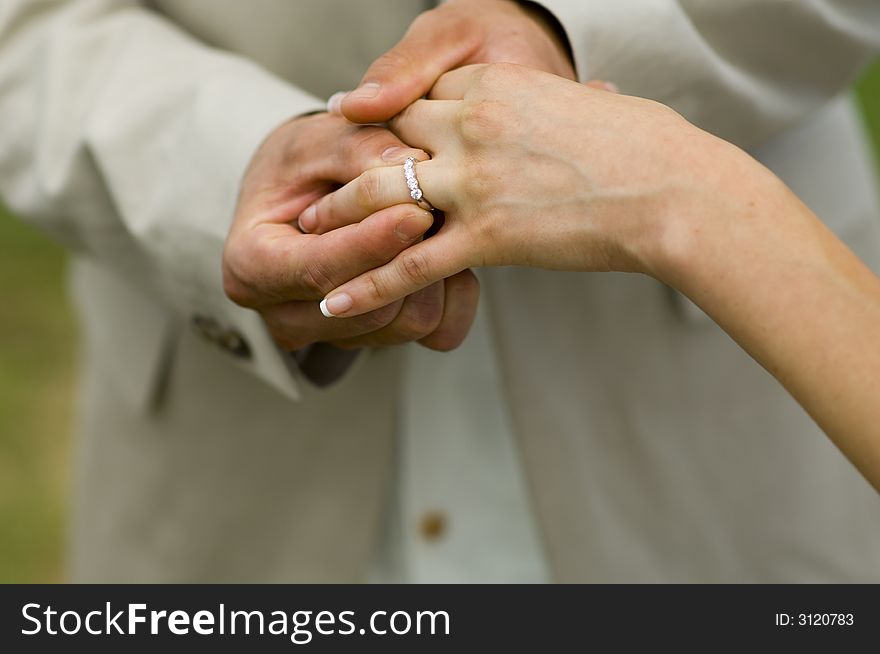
272,267
534,170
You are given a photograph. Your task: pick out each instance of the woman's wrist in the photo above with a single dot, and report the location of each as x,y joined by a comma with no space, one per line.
722,196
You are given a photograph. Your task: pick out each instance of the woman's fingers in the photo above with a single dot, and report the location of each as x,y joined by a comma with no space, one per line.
426,124
373,191
420,265
454,84
601,85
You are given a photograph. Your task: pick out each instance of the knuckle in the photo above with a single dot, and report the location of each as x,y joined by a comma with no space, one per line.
479,179
376,287
291,342
330,213
417,319
488,227
379,318
370,140
463,289
449,20
480,121
240,273
415,268
500,72
445,342
367,190
287,338
392,63
316,277
427,16
234,288
233,279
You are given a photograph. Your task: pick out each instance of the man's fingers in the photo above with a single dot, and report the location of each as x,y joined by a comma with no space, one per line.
295,325
343,254
345,156
277,264
432,45
373,191
420,314
459,309
439,316
334,150
436,258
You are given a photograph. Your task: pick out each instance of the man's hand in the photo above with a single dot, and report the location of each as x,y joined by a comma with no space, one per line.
271,266
456,33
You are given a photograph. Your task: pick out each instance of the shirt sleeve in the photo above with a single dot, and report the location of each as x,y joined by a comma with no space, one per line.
126,139
742,69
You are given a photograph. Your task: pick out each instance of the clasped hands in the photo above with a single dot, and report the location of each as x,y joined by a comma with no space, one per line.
270,266
324,212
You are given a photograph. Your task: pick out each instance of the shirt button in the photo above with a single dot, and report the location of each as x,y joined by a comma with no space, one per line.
207,327
234,343
228,339
433,525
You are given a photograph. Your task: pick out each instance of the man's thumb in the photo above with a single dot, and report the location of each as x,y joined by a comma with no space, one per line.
403,74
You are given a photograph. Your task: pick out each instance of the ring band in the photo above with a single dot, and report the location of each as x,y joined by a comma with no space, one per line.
415,191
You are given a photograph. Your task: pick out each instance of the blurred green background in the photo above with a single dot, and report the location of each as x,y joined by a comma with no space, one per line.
868,92
37,374
37,338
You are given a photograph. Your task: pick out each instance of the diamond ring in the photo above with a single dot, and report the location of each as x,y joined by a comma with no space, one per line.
415,192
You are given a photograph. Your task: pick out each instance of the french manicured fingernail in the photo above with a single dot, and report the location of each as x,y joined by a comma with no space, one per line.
334,104
611,86
365,91
411,227
333,305
308,219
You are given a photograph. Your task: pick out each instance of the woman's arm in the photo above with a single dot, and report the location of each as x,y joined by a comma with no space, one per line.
534,170
757,261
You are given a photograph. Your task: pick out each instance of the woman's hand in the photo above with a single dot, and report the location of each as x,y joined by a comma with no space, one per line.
535,170
529,169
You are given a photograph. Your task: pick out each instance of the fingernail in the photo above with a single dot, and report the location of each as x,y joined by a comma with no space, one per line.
611,86
411,227
335,304
334,104
366,91
308,219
